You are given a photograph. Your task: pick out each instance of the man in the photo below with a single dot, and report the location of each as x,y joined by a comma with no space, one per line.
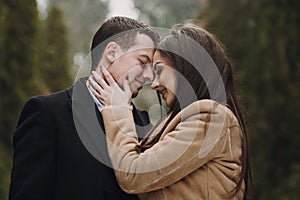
59,145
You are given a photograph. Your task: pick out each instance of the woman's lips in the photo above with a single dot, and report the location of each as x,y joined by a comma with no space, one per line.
163,94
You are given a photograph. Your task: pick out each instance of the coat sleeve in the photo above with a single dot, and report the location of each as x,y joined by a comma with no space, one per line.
175,156
33,172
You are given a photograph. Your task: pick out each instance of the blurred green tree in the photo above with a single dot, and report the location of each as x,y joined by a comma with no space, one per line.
166,13
18,67
83,18
263,40
55,65
5,167
19,25
23,47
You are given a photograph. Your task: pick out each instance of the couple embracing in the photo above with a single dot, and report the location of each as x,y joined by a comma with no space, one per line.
90,142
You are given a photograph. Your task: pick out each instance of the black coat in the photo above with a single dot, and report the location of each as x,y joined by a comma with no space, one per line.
60,148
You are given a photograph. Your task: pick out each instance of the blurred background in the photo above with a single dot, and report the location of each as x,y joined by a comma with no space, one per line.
44,42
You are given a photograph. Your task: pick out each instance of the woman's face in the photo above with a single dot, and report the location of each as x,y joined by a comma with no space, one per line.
165,81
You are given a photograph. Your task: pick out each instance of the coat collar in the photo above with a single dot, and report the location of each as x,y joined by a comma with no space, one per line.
79,85
78,93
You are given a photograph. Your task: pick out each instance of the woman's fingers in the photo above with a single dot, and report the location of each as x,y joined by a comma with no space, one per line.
108,91
110,80
94,85
101,94
95,93
99,80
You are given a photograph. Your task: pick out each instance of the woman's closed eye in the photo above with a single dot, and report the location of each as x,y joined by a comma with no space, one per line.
157,69
158,72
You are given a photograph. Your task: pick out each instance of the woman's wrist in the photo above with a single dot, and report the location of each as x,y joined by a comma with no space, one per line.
115,106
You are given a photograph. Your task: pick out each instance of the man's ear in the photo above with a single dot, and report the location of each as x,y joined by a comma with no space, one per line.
112,51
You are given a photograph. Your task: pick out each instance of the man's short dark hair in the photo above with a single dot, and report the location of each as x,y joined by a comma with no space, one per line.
123,31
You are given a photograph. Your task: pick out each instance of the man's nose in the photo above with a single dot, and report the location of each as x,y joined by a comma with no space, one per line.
148,74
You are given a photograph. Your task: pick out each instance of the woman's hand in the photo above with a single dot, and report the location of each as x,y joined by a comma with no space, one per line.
108,92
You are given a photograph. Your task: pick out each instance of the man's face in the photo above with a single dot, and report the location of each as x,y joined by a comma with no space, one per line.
135,63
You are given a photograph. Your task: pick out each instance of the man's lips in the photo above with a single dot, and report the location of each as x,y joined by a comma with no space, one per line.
141,84
138,88
139,81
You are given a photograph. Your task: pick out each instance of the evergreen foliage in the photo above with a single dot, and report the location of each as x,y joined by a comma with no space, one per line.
23,46
166,13
18,68
55,67
19,24
83,18
263,39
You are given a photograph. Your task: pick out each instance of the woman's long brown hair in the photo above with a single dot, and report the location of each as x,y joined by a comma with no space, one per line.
196,71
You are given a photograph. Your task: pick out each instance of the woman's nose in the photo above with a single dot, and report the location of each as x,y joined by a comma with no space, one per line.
155,84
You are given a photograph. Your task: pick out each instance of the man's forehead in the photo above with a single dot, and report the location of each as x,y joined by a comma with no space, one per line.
142,51
143,41
145,53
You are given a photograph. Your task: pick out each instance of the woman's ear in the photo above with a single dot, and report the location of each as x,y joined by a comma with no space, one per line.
111,51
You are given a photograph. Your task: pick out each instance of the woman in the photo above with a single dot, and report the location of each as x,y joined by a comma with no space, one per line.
199,150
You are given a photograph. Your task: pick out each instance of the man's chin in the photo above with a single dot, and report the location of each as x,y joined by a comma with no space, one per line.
136,91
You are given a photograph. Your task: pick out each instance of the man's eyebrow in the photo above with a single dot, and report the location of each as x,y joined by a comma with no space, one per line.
147,57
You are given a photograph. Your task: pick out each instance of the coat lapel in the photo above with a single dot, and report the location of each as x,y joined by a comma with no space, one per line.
88,121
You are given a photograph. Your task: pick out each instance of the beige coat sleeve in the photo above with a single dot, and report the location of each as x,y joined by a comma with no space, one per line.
175,156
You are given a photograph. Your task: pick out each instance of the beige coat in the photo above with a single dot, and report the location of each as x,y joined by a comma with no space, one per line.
197,156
